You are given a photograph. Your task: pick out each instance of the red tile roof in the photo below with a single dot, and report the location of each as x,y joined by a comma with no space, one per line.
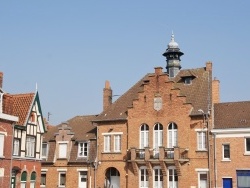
232,115
18,105
197,94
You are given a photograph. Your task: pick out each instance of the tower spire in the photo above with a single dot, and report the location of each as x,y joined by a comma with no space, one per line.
173,55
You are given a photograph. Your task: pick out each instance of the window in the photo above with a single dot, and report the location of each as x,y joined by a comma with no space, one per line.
243,178
172,135
44,150
202,179
144,136
172,177
201,140
30,146
1,144
144,177
63,150
226,151
158,177
107,143
83,149
16,147
117,143
188,80
23,179
158,137
247,147
82,182
62,179
43,179
33,180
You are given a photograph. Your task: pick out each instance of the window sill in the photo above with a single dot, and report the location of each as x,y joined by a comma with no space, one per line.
204,150
2,157
247,154
111,152
225,160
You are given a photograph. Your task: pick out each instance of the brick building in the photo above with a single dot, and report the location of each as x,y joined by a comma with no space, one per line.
69,153
231,141
156,133
21,129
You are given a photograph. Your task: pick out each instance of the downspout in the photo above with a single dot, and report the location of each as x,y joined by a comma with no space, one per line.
208,152
127,159
215,165
11,152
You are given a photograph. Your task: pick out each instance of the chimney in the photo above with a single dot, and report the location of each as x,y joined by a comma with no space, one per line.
158,70
209,66
1,79
107,95
215,91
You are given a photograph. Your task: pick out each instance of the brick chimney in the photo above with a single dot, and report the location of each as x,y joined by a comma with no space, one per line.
107,95
215,91
209,66
1,79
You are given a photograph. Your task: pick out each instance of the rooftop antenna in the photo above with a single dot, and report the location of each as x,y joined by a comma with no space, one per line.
36,87
49,114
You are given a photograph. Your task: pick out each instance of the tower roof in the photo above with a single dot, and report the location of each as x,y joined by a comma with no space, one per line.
172,43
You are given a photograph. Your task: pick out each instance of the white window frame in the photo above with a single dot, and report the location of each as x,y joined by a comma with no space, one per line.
223,151
158,138
171,184
83,149
16,147
117,143
144,133
30,146
160,183
203,146
2,138
107,143
172,135
62,154
44,156
145,182
199,180
247,151
43,173
80,176
59,179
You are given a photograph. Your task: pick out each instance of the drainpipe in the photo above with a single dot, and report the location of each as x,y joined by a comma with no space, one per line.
11,152
215,165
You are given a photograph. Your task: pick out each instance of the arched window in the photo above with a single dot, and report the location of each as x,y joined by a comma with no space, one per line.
158,138
23,179
112,178
33,180
172,135
144,136
143,177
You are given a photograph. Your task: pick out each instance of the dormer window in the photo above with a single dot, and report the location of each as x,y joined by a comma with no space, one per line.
188,80
82,149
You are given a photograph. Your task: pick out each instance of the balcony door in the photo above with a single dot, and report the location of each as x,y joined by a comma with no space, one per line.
143,139
172,138
172,178
158,131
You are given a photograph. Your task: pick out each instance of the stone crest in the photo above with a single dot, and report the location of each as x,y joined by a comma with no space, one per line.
158,103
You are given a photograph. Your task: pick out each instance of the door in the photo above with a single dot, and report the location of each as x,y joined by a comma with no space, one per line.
172,139
227,183
83,179
158,178
112,178
172,178
158,131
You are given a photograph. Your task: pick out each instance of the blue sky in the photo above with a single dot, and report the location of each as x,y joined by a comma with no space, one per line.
69,48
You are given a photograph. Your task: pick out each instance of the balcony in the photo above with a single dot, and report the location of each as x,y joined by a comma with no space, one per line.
168,155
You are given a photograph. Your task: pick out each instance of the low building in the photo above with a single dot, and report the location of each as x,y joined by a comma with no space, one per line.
69,154
231,140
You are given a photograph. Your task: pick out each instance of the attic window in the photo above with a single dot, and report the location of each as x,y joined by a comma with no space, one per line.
188,80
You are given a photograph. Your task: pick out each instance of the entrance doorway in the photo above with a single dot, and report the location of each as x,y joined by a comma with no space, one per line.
112,178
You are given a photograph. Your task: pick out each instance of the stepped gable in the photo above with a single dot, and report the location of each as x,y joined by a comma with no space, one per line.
232,115
196,94
118,109
83,130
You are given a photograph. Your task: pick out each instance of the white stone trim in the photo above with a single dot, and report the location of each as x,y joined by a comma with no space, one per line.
44,170
202,170
201,130
113,133
9,117
80,170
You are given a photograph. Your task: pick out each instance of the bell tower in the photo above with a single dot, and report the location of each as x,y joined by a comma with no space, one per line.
173,55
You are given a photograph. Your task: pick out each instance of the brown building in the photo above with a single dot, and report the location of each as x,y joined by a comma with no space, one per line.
156,133
231,140
21,129
69,154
